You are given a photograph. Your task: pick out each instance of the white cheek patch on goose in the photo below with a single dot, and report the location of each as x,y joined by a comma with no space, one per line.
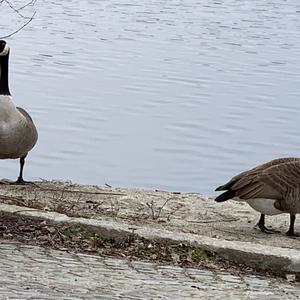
5,51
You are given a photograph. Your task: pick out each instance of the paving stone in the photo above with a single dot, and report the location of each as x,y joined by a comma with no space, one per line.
29,272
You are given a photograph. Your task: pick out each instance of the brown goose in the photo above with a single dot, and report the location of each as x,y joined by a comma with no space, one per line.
18,134
271,188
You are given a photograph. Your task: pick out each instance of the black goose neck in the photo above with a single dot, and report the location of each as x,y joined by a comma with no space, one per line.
4,89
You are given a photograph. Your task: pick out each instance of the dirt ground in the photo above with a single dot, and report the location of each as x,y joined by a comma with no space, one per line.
183,212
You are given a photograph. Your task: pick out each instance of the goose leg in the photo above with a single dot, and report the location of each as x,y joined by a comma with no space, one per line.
263,228
20,179
291,231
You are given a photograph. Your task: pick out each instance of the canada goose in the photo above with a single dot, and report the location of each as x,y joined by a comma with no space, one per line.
271,188
18,134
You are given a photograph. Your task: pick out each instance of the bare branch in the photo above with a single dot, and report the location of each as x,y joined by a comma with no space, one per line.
32,2
156,212
18,11
19,29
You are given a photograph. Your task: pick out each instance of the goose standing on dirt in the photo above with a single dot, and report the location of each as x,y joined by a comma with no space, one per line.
18,134
271,188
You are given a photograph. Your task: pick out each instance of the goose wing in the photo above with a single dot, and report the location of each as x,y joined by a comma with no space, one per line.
256,170
280,182
31,135
25,114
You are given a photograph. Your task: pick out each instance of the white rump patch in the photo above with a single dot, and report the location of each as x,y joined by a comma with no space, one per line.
263,205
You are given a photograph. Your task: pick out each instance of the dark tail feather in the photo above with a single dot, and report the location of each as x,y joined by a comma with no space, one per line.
225,196
226,186
220,188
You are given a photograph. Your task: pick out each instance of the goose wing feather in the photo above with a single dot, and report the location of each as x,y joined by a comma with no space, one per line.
25,114
280,182
243,178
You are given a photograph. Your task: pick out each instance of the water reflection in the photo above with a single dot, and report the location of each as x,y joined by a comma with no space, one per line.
157,94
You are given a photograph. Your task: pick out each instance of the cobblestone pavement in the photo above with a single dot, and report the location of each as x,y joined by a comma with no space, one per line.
29,272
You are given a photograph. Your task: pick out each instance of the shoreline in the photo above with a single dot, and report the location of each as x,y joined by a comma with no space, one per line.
186,227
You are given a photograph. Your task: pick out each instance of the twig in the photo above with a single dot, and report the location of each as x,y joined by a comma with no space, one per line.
160,208
16,31
18,200
173,212
32,2
27,210
214,221
82,192
151,205
18,11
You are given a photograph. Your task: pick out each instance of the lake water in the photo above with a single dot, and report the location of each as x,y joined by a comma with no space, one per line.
177,95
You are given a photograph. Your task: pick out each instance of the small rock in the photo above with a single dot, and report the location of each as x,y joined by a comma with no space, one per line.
51,229
175,258
161,221
43,237
7,235
3,228
290,277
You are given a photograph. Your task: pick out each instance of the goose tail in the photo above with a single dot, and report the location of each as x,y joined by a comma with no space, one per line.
225,196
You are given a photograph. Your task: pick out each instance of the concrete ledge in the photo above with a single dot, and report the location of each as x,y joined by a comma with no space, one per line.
260,257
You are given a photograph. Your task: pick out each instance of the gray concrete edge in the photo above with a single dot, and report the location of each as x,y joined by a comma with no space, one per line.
260,257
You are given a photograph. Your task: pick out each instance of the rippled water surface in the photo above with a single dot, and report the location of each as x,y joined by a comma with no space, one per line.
176,95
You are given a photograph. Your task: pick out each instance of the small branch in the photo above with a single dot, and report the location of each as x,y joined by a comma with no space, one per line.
151,205
18,11
32,2
214,221
82,192
18,200
16,31
161,208
174,211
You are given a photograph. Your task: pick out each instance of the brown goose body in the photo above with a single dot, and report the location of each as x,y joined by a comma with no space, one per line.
18,134
270,188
